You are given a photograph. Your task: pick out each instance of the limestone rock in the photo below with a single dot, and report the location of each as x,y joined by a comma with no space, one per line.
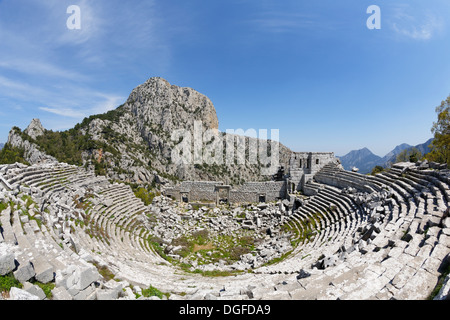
60,293
44,270
34,290
152,113
35,129
31,151
444,293
19,294
160,102
76,279
7,260
24,272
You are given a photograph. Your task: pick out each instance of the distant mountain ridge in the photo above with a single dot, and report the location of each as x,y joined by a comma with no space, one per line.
365,160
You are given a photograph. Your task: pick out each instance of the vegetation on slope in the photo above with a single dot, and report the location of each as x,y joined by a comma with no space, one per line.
9,155
411,155
440,147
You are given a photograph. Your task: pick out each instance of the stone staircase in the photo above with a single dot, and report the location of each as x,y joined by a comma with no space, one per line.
403,255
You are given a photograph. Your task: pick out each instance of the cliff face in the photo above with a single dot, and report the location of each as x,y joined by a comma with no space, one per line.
157,104
136,142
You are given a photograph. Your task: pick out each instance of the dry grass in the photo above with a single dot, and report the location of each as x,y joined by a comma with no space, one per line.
208,246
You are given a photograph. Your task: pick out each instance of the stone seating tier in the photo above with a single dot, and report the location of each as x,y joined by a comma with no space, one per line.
352,246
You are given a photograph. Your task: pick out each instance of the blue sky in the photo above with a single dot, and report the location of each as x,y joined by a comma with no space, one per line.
311,69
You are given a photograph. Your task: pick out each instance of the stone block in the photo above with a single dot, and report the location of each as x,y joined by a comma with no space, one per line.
19,294
7,260
107,294
24,272
115,286
44,270
88,293
418,286
75,278
444,293
446,223
34,290
329,262
60,293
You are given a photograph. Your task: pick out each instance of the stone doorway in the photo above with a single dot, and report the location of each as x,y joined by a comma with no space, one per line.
222,194
184,197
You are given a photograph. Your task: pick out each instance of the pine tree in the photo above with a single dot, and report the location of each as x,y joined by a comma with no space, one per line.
440,147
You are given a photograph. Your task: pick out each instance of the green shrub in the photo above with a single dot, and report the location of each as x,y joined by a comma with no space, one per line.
3,206
47,288
7,282
9,155
153,292
201,237
377,169
145,195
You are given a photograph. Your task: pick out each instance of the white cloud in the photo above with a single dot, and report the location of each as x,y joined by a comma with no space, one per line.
68,101
110,102
422,26
93,103
19,90
422,32
40,68
52,72
65,112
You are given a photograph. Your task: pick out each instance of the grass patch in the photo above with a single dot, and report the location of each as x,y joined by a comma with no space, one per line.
7,282
46,287
104,272
217,273
153,292
198,247
276,260
203,248
3,206
444,274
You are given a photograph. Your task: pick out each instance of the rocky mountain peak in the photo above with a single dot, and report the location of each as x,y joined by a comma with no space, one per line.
157,104
135,142
35,129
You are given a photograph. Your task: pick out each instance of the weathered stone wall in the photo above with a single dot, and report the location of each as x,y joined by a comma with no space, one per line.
304,165
202,190
310,161
251,191
302,168
195,190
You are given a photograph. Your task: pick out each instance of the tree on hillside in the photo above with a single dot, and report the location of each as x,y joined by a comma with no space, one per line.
440,147
10,154
411,155
377,169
